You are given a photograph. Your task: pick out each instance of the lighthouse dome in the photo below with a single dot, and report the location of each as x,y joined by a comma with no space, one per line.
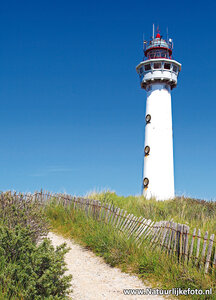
158,48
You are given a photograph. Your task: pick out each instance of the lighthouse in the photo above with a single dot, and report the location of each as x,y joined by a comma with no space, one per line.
158,74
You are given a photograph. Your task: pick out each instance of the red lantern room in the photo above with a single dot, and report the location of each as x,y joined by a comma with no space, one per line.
158,48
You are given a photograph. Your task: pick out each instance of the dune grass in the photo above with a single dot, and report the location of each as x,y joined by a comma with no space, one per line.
105,241
195,213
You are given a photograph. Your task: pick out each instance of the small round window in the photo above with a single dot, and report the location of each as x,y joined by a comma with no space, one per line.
148,118
147,150
145,182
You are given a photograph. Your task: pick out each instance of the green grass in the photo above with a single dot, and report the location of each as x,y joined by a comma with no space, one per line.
198,214
105,241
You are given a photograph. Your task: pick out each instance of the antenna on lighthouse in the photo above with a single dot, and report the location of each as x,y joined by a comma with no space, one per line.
167,34
153,32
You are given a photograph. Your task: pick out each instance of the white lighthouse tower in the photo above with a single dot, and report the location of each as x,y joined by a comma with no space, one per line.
158,76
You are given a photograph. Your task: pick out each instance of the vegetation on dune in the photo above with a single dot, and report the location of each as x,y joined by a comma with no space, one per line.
30,268
30,271
19,210
155,266
195,213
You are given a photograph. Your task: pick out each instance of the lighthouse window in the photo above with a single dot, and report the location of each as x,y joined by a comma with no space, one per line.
157,65
147,150
167,66
148,119
163,54
175,68
145,182
147,67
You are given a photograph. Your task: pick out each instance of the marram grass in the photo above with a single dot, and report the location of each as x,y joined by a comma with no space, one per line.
195,213
156,267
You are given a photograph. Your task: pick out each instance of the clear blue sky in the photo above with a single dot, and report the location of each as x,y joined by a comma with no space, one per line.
72,111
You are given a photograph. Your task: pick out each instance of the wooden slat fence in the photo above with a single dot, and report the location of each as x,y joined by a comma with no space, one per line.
174,239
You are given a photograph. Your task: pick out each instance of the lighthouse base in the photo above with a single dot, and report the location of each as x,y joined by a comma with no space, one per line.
148,195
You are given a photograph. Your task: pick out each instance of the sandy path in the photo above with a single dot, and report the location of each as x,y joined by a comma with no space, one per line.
93,279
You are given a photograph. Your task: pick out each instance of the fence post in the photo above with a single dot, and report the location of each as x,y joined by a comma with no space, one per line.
149,231
140,228
95,209
108,213
198,247
116,216
137,224
128,222
156,231
170,238
175,228
186,231
102,209
144,233
113,215
211,240
204,249
81,203
143,229
179,241
214,260
164,234
192,244
98,210
125,222
118,223
86,207
157,240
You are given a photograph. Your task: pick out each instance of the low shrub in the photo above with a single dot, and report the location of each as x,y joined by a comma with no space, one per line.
29,270
24,211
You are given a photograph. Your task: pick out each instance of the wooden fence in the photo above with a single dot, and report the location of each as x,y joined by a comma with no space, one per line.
189,247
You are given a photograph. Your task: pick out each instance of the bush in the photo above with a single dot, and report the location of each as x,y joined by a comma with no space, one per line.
29,270
24,211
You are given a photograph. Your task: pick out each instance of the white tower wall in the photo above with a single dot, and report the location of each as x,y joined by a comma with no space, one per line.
158,165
